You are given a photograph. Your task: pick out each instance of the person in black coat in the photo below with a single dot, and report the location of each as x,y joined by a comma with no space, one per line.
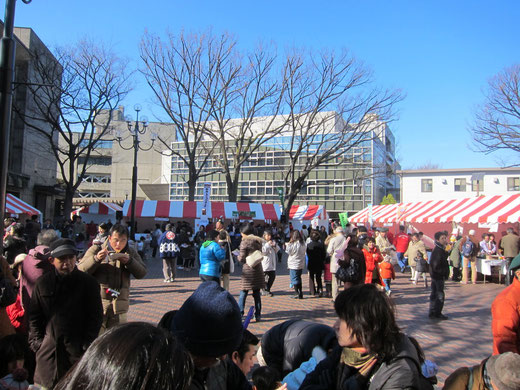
65,315
316,255
14,243
439,272
289,344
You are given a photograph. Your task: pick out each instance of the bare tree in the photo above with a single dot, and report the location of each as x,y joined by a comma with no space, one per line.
183,72
332,108
497,121
67,104
245,106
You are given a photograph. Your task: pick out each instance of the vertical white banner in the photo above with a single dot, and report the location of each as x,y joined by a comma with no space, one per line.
206,195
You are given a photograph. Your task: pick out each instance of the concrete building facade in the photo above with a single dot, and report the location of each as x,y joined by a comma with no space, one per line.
109,171
437,184
32,164
366,175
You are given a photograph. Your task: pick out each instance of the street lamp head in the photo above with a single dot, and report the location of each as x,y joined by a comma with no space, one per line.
117,134
153,136
137,107
144,121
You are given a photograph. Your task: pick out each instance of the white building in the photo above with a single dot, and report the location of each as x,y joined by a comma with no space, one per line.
437,184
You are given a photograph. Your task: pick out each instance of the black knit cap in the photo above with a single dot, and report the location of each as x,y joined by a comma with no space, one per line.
209,322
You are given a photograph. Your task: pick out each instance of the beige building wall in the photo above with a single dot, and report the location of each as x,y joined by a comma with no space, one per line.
119,171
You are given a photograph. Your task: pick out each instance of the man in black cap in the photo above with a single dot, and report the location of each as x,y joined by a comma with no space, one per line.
65,315
209,324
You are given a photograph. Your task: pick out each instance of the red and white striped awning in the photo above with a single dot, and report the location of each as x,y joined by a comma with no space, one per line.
191,209
14,205
481,209
307,213
102,208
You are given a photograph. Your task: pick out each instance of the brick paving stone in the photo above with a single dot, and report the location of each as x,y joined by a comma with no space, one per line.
463,340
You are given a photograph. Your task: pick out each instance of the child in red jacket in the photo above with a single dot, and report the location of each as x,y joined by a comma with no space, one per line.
387,272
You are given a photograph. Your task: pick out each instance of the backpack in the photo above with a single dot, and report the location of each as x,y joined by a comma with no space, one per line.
467,248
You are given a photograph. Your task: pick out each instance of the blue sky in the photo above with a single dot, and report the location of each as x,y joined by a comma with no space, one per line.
439,53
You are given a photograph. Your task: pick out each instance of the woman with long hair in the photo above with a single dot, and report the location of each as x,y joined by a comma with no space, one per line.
252,271
296,250
316,254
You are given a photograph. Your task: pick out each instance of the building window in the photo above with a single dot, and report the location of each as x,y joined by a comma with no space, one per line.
426,185
460,185
95,160
101,144
513,183
477,185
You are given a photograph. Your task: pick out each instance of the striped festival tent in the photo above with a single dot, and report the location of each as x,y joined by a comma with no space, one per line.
101,208
192,209
481,209
14,205
308,213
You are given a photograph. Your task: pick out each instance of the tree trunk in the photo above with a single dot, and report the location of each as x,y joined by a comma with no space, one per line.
67,202
192,183
232,185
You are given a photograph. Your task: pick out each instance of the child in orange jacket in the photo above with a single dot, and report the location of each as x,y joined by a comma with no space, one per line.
386,270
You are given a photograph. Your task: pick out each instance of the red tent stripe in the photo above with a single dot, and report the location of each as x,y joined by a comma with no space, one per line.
17,206
311,212
426,209
450,209
217,210
138,208
293,210
162,209
483,218
486,203
243,207
190,209
385,214
269,212
411,209
503,218
102,209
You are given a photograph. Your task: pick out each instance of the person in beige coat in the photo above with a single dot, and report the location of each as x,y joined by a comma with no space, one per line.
333,245
416,249
112,264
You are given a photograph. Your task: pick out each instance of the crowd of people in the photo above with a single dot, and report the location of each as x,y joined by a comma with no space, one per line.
63,308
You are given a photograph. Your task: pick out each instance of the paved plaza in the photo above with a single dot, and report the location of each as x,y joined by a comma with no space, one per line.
465,339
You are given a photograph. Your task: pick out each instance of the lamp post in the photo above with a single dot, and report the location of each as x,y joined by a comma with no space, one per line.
7,65
135,129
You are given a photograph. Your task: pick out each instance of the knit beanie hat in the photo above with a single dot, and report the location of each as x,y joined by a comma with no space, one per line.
209,322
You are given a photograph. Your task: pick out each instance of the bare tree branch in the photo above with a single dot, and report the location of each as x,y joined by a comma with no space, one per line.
77,84
180,72
497,120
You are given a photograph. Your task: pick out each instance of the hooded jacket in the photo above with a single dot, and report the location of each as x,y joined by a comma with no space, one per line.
35,264
211,254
